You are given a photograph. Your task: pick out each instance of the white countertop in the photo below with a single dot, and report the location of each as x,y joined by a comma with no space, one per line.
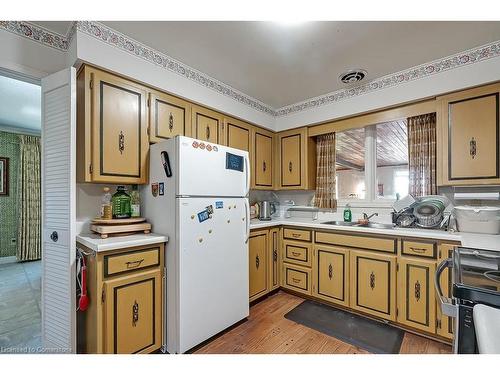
487,326
95,242
480,241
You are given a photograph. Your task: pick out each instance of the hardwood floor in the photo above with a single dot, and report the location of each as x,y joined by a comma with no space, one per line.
267,331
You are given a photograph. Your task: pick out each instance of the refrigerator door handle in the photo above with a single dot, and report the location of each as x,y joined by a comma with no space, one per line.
247,175
247,220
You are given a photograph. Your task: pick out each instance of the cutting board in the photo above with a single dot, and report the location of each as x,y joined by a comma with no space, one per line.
112,227
131,220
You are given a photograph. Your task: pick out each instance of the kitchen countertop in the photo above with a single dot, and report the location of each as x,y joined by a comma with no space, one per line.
480,241
95,242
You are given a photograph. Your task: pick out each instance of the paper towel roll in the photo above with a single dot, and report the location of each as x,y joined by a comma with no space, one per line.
480,196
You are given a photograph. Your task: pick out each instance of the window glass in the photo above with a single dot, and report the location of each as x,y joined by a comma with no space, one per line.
350,164
392,160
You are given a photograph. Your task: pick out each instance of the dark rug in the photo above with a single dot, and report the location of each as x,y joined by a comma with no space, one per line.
371,335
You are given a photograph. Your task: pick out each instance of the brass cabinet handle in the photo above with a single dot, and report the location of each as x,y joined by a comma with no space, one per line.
275,256
330,271
135,313
264,166
372,280
290,166
171,122
208,133
257,262
296,281
295,254
418,249
121,142
417,290
473,148
296,235
135,263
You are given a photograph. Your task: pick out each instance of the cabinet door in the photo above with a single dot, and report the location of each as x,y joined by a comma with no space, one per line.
133,313
238,134
417,300
263,160
445,324
291,174
168,116
373,284
274,245
119,130
207,125
470,122
258,263
331,274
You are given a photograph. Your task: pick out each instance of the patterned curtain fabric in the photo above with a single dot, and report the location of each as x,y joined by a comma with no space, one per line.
325,172
29,194
422,154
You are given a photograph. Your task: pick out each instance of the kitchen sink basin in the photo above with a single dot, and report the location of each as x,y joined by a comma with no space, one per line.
342,223
355,224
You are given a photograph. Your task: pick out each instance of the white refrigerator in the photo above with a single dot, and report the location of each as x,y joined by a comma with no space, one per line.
198,197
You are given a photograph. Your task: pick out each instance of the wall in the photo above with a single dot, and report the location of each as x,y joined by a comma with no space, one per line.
9,147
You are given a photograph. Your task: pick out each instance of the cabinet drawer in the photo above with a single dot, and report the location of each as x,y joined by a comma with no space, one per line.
130,262
297,252
297,234
419,249
388,245
297,278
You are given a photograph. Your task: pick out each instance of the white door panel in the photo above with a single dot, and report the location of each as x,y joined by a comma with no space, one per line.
213,275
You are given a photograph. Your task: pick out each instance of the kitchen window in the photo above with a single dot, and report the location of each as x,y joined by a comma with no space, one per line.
372,164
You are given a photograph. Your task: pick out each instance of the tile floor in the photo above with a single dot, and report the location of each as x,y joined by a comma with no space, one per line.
20,326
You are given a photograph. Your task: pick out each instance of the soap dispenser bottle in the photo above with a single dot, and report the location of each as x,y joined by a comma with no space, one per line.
347,213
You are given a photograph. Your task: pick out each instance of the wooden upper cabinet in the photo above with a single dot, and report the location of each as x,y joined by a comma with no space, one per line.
168,116
112,144
263,160
297,155
207,125
469,133
238,134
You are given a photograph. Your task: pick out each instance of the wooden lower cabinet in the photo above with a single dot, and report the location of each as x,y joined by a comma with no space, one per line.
125,289
373,284
258,246
274,244
331,274
297,278
416,298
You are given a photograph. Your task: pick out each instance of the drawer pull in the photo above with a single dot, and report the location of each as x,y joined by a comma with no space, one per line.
330,271
417,290
135,263
296,235
257,262
418,249
295,254
121,142
296,281
171,122
135,313
372,280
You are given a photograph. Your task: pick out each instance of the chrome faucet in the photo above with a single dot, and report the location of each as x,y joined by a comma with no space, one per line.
366,217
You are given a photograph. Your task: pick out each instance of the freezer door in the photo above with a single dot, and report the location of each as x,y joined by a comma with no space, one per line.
213,269
207,169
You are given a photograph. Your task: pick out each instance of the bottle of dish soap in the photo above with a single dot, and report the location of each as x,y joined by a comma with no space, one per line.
347,213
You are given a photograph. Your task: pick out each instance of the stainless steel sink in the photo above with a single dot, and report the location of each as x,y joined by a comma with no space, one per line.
355,224
342,223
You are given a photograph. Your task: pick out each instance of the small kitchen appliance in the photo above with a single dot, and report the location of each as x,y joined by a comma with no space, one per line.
475,276
266,209
478,219
198,197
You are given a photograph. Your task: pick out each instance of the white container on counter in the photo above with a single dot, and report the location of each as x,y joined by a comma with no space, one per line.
478,219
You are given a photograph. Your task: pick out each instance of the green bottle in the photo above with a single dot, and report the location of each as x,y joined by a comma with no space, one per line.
347,213
121,203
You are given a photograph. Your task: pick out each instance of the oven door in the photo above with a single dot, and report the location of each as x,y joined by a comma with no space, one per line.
465,341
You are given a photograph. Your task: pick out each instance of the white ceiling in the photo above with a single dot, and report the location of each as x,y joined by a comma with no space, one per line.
283,64
20,104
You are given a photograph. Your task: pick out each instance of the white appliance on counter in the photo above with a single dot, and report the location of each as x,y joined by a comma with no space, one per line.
198,197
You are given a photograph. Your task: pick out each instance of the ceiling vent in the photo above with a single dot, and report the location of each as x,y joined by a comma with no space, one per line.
352,76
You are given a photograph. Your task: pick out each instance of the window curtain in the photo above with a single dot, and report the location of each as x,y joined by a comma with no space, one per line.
422,154
325,172
29,196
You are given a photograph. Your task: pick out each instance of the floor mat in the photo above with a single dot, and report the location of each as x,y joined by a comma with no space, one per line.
373,336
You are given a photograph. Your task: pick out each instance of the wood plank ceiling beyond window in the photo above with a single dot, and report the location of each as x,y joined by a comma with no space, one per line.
392,146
